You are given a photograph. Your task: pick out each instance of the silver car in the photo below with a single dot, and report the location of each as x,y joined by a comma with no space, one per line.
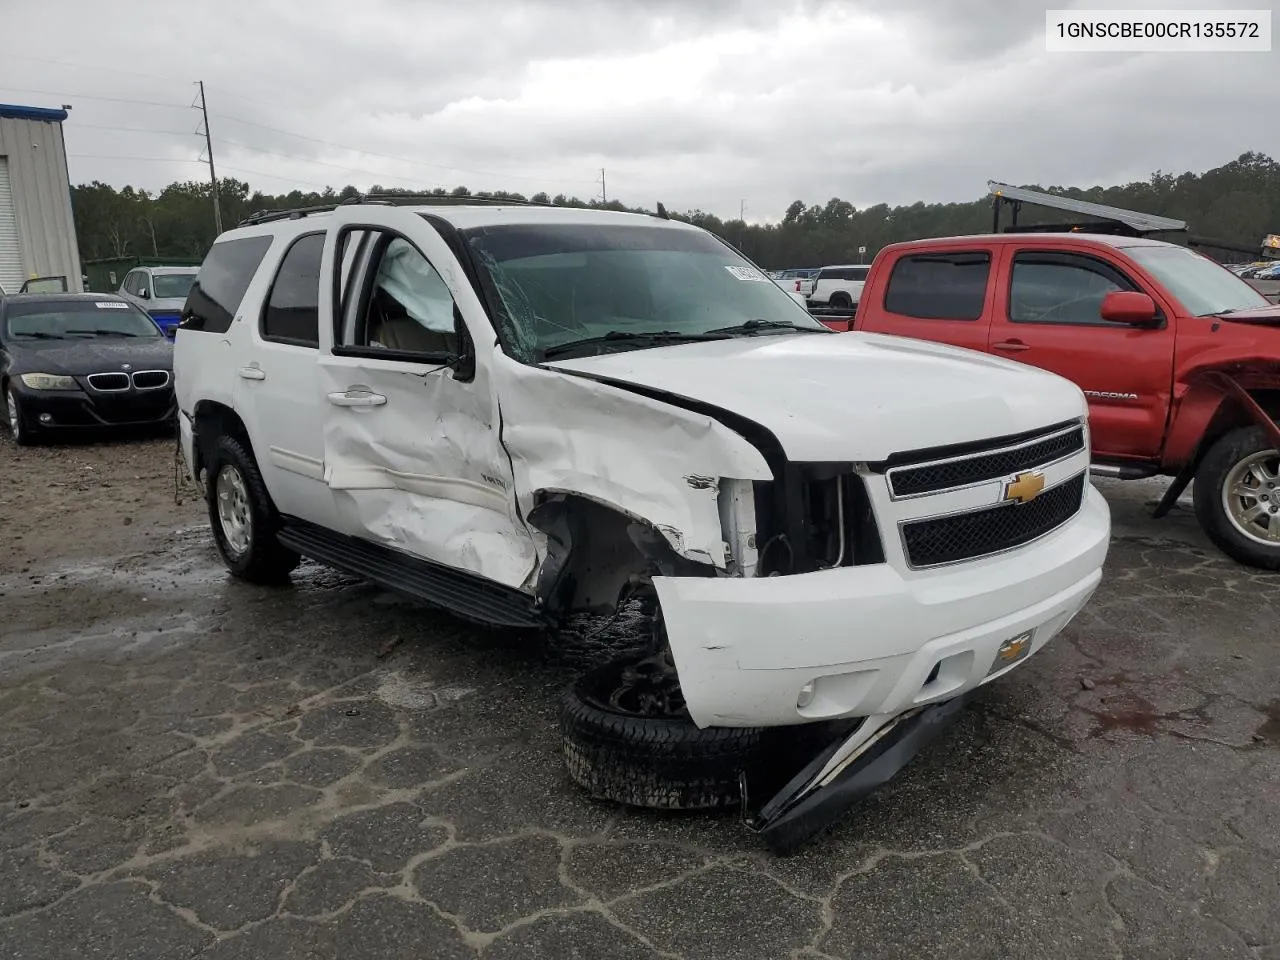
161,292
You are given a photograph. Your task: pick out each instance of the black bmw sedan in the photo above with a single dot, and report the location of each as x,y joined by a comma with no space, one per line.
82,361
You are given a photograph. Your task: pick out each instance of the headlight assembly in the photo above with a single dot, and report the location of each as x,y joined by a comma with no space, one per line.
49,381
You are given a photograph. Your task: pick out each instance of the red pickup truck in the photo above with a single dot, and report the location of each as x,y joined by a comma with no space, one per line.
1178,357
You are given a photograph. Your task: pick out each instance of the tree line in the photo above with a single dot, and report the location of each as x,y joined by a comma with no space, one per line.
1238,202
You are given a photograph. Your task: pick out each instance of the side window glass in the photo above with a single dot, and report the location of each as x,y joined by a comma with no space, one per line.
947,286
407,306
131,283
225,275
292,313
1045,290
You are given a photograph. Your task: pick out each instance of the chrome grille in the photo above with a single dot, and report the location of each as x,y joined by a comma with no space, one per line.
109,382
151,379
953,472
980,533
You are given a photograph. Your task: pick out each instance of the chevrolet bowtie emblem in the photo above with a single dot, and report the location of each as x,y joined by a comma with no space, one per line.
1024,488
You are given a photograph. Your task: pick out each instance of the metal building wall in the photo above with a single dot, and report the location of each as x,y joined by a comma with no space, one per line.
41,198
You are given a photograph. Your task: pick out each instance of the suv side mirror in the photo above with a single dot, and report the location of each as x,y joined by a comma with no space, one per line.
142,292
1128,306
464,362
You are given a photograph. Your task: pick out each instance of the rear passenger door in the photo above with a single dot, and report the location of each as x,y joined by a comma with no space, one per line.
277,376
1047,315
943,296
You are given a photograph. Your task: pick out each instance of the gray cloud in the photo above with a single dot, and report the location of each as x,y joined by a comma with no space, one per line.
698,104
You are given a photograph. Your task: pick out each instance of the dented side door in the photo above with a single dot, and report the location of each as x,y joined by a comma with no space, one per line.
413,454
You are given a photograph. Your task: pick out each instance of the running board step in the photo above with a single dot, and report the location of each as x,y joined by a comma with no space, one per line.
1117,471
455,590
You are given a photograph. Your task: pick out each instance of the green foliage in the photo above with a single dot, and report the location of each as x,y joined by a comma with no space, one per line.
1237,202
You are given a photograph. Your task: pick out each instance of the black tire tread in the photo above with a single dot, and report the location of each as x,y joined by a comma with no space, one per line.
1228,450
267,562
27,437
657,763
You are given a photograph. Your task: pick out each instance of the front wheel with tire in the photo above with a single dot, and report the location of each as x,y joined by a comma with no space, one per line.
1237,497
627,737
17,419
243,518
841,300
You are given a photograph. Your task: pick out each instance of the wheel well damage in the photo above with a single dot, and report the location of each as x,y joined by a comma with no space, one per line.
598,556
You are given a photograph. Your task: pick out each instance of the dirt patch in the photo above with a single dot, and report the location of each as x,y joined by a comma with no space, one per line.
71,501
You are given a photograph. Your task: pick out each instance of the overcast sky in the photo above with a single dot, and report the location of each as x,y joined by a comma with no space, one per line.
697,103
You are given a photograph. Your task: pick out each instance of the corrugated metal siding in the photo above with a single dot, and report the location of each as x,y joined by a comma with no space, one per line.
41,198
11,271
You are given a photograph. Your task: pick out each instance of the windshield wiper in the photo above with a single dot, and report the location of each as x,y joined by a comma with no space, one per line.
38,335
640,338
104,333
759,326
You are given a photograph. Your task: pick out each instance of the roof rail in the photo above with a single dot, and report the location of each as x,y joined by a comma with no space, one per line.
296,213
429,200
386,199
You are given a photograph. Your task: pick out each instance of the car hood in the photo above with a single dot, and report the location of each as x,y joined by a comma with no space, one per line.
851,396
166,305
1266,316
80,357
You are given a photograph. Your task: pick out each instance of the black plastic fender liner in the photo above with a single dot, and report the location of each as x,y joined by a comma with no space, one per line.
787,820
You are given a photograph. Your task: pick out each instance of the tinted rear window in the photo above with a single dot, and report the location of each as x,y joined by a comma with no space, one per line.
224,277
292,311
949,286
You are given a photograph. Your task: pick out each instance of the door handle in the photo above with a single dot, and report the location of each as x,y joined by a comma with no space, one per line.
252,372
1011,346
357,398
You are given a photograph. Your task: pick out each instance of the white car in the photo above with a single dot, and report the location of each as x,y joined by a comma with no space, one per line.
521,412
839,286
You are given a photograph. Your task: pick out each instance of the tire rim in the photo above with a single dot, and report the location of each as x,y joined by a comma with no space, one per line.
1251,497
15,423
643,688
233,510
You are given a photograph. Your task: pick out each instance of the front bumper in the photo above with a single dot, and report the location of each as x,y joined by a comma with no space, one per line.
872,639
44,410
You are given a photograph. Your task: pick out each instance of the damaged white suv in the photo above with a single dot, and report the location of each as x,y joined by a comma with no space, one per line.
522,412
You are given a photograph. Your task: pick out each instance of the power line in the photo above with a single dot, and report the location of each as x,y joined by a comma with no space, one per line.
274,176
90,96
386,156
69,63
107,126
108,156
323,163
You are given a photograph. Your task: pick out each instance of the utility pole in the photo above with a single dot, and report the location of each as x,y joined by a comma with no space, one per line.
742,210
213,177
604,193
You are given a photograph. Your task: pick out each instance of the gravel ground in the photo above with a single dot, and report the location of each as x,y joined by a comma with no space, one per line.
194,767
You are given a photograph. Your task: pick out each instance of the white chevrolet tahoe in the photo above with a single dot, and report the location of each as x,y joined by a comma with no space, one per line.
520,413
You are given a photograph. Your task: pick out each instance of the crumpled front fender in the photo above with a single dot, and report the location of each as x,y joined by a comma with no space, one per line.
650,460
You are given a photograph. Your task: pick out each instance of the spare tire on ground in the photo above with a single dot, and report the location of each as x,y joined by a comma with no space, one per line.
627,737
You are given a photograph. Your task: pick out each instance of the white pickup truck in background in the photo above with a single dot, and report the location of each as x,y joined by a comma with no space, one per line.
796,280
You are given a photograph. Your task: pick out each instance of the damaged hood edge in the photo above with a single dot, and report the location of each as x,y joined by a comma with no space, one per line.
853,396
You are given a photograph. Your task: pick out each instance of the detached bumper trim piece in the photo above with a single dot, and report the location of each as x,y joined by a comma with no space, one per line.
797,814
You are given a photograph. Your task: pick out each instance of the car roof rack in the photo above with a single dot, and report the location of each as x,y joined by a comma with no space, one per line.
386,199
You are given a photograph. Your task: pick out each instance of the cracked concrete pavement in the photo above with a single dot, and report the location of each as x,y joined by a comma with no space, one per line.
193,767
